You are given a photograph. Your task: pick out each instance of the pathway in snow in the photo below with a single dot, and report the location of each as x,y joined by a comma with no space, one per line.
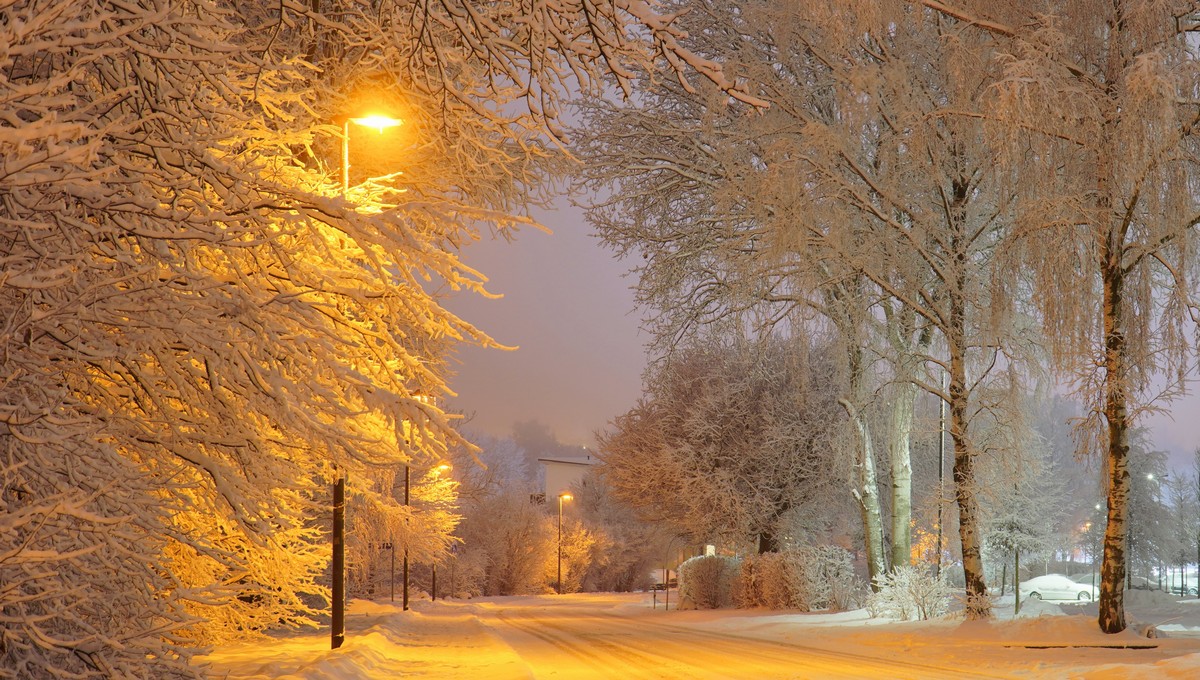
573,638
598,635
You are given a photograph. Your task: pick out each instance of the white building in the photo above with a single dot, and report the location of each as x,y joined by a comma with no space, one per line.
561,473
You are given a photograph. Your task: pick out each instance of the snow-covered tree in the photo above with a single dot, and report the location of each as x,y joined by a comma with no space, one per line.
1096,113
627,548
731,438
1149,536
202,325
422,527
869,173
1183,519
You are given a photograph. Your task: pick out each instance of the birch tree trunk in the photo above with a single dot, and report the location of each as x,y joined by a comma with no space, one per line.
1113,566
901,464
866,495
865,482
978,606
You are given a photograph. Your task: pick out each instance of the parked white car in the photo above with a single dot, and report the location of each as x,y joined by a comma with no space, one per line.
1057,587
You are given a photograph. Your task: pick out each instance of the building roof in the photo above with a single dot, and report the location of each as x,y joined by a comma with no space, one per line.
582,460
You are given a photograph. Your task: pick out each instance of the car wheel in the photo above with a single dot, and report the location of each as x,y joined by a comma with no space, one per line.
1084,596
1035,596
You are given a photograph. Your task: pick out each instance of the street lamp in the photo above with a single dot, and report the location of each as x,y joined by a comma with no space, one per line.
377,122
561,497
338,594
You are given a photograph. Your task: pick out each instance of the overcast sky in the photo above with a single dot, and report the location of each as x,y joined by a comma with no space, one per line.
568,306
570,310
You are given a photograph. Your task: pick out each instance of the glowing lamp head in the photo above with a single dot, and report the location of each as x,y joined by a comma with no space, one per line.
378,122
565,496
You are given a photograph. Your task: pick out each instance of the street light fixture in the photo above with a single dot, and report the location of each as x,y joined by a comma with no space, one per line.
375,121
561,497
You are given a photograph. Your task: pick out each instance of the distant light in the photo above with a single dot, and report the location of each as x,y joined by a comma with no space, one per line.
377,122
566,496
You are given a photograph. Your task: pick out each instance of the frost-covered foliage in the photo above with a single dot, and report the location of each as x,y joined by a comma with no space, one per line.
859,195
515,539
708,582
627,548
201,327
181,296
424,526
579,546
910,594
804,578
731,438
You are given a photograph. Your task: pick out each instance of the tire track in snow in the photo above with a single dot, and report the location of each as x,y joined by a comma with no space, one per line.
603,645
892,668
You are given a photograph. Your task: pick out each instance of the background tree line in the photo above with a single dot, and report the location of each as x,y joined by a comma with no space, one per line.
989,193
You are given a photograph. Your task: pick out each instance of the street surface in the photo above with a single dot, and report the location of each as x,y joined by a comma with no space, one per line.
577,640
588,636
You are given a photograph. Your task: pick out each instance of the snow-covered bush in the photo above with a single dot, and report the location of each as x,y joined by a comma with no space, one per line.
708,582
805,578
910,594
515,538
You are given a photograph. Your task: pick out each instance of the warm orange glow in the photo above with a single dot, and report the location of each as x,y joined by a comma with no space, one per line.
378,122
565,496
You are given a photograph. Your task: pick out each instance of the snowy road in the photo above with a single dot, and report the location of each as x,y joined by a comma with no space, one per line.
618,636
576,640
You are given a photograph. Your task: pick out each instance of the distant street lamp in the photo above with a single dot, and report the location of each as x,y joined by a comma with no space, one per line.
377,122
561,497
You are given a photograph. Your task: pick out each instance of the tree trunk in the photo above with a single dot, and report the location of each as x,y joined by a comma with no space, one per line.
901,463
978,605
1016,582
867,496
1113,569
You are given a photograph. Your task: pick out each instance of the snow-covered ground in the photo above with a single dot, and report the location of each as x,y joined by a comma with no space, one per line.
622,635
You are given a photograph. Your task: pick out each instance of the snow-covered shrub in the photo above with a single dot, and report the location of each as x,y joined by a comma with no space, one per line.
512,539
910,594
804,578
708,582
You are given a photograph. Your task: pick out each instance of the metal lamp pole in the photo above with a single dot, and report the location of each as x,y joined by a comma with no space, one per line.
561,497
338,623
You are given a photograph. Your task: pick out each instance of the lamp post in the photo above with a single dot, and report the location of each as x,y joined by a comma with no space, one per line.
378,122
338,606
338,615
561,497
